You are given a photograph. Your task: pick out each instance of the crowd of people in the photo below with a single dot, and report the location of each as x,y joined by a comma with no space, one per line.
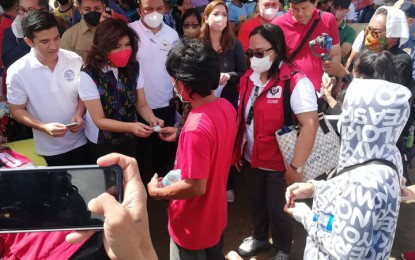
202,87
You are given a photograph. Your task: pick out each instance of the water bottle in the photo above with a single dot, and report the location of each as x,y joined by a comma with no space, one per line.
171,177
410,137
324,221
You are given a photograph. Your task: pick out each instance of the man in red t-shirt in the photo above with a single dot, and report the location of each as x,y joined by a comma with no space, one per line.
295,24
198,205
268,10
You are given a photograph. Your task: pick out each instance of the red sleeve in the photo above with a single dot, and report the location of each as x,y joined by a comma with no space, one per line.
119,16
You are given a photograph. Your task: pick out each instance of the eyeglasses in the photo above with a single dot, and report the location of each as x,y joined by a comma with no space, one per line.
22,11
374,34
259,54
188,25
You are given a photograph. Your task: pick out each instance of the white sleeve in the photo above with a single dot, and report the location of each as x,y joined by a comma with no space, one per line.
351,14
16,93
357,44
303,98
140,79
87,89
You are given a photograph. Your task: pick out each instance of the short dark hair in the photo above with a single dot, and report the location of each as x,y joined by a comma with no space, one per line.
106,38
37,21
274,35
8,4
196,64
188,13
377,65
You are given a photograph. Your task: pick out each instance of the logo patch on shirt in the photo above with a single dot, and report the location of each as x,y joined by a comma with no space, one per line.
69,75
274,92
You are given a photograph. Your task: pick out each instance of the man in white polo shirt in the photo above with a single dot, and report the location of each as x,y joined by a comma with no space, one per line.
156,39
42,90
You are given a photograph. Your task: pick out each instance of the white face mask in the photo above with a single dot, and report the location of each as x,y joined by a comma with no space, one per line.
269,13
179,95
17,26
260,65
217,23
153,19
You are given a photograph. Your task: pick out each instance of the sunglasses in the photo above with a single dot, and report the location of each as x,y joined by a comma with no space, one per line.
258,54
373,33
187,26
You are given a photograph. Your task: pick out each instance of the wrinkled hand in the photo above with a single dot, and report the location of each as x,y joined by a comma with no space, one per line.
224,77
79,120
156,121
126,229
168,134
298,191
153,187
55,129
142,130
291,176
334,69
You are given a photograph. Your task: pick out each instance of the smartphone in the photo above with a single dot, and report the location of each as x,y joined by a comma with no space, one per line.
71,125
55,198
108,10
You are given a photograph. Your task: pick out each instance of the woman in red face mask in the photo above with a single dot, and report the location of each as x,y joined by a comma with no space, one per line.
111,93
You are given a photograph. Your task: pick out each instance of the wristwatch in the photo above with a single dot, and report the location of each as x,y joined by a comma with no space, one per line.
299,169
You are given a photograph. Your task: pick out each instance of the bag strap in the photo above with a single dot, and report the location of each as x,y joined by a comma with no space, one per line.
313,26
379,161
288,112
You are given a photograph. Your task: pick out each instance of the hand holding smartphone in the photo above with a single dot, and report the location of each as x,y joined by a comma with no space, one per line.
55,198
71,125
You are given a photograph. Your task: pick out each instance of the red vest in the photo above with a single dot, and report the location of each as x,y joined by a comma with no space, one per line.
268,118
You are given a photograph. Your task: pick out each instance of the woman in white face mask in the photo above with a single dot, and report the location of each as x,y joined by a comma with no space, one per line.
217,31
262,104
190,22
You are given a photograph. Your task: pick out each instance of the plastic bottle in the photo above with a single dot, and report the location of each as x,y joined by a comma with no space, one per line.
410,137
324,221
171,177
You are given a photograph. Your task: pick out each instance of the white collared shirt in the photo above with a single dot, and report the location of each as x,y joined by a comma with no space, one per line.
50,96
152,55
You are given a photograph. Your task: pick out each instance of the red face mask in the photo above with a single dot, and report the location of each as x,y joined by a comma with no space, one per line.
120,58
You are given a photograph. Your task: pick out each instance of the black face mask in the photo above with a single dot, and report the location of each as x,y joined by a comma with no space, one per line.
63,2
92,18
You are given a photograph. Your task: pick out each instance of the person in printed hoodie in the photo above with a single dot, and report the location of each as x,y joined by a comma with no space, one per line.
361,205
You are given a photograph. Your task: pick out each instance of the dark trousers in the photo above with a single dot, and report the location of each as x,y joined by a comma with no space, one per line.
153,154
78,156
267,198
128,147
179,253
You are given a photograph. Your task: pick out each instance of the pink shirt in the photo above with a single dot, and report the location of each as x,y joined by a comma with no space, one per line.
204,152
294,33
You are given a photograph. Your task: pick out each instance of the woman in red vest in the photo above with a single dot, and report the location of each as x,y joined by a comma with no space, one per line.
261,114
